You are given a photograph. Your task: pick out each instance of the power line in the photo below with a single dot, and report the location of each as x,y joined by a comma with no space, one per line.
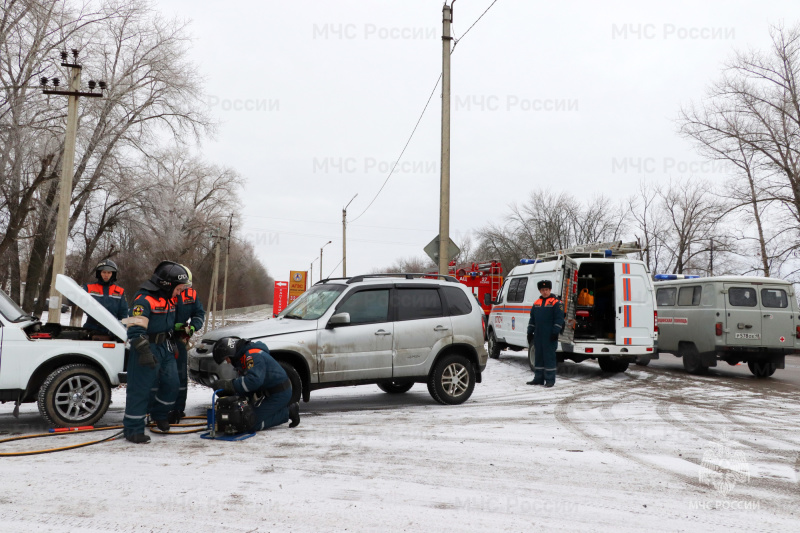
326,236
337,266
420,116
456,41
335,223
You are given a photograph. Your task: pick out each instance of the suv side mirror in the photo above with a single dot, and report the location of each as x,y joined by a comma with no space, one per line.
487,299
340,319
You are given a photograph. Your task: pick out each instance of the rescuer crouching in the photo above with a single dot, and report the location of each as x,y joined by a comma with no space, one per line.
261,379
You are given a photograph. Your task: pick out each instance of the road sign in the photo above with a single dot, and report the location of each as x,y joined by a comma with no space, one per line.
433,250
280,296
297,284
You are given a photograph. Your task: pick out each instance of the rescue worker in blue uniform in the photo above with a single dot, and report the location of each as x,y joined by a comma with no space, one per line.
262,380
189,317
109,295
151,362
544,326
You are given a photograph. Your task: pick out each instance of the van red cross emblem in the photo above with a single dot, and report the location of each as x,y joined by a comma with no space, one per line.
783,339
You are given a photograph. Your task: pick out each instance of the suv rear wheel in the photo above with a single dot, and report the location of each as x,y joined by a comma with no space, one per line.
393,387
452,380
74,395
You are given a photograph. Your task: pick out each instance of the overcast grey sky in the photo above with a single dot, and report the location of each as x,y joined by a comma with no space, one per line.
317,98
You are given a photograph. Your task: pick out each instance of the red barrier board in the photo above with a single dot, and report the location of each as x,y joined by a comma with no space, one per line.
280,296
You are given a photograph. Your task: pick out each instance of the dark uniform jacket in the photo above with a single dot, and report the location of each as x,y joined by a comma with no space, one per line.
258,370
189,310
150,304
547,317
112,297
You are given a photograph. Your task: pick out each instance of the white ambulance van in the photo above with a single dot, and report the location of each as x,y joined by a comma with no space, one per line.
609,302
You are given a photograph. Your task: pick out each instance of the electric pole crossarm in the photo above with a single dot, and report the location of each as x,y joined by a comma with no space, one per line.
72,93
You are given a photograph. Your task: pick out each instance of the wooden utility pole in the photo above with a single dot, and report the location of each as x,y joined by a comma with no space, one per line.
214,282
67,171
225,277
444,198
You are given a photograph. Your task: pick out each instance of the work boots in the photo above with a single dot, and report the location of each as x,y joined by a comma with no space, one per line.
174,417
162,425
138,438
294,414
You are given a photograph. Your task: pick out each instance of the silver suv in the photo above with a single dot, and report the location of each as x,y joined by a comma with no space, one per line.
392,330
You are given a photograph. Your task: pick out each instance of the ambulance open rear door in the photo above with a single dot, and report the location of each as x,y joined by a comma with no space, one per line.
569,297
634,305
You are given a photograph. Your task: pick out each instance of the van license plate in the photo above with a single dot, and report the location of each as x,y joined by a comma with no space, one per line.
747,335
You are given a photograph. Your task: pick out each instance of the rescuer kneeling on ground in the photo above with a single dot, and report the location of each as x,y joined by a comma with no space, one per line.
544,326
262,380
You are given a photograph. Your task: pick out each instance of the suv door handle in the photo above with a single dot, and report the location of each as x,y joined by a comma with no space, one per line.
742,325
440,328
382,332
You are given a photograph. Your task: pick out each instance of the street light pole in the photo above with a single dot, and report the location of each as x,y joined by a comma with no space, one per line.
311,272
444,199
344,236
320,258
67,170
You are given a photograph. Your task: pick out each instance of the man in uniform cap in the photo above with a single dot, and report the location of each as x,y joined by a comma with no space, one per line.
544,326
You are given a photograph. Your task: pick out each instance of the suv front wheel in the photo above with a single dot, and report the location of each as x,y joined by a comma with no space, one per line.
452,380
74,395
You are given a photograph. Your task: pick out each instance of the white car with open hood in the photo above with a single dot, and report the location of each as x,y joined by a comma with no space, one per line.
69,375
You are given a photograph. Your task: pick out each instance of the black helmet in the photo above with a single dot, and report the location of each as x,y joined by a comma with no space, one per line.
227,347
109,265
168,275
544,284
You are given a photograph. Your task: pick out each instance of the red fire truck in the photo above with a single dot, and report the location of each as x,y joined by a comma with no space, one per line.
484,277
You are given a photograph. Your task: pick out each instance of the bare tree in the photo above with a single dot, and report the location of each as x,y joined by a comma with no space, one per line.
548,221
647,224
692,220
750,118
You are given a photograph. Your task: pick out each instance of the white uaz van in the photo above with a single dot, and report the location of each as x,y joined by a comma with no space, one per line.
613,321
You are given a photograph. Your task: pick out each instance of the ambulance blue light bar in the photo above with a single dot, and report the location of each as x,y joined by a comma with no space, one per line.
529,261
665,277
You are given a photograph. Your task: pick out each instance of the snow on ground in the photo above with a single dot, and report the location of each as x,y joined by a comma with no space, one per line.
628,452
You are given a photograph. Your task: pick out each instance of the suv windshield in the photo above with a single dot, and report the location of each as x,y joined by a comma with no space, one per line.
313,303
10,309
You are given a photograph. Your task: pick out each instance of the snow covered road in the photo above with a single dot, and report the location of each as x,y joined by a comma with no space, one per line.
647,450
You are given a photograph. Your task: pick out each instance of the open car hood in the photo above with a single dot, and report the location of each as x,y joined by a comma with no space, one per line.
85,301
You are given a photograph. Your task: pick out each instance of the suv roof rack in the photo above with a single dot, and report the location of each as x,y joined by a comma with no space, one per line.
605,249
327,280
405,275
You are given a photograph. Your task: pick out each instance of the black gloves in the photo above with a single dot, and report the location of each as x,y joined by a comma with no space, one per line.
554,336
226,385
142,347
530,339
